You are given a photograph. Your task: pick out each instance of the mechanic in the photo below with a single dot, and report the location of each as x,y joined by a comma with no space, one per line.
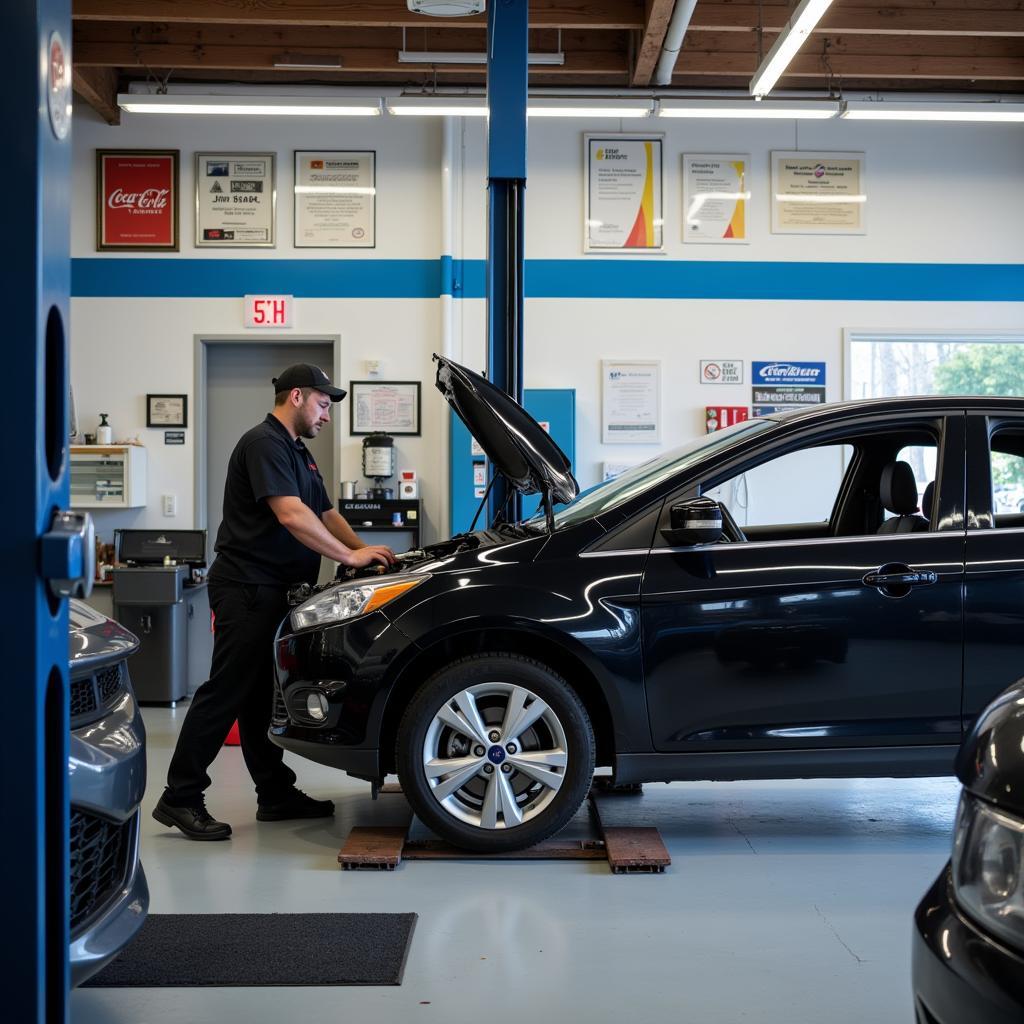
278,522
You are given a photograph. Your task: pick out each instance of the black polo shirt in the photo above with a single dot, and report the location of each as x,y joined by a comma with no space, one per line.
252,546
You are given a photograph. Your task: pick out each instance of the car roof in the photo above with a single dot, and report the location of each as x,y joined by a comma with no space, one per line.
883,406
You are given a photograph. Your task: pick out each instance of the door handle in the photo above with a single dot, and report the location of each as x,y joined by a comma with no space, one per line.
68,554
897,580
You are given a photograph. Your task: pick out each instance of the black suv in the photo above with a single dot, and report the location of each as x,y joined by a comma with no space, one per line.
829,592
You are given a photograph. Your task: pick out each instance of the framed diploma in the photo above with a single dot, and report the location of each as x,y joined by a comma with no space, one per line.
166,410
623,210
137,199
715,197
335,199
384,406
236,200
818,194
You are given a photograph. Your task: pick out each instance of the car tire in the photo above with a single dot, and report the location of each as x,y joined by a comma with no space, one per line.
475,786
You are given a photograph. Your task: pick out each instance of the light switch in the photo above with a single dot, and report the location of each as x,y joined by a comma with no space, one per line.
170,504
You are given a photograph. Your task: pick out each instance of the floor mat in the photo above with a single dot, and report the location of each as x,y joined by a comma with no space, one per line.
187,950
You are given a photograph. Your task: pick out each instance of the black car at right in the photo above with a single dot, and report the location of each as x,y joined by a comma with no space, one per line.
968,950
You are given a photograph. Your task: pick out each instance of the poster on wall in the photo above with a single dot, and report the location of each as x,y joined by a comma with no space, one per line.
715,197
335,199
630,401
818,194
236,200
623,209
781,385
137,199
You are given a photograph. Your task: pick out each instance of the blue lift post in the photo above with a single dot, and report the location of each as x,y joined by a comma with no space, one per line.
507,47
36,178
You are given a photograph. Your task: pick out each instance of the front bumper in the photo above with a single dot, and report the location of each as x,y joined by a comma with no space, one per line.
107,776
960,974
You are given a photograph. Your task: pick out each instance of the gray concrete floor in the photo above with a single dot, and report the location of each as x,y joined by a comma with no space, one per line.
786,902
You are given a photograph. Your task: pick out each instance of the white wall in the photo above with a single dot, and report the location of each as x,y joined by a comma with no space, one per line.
937,194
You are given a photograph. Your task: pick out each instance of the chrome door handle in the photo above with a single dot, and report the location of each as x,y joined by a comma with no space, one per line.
897,580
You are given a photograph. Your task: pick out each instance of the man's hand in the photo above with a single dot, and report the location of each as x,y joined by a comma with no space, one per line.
370,554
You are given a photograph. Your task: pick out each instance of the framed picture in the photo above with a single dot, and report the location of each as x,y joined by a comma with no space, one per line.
137,199
236,200
384,407
819,193
335,199
630,401
166,410
623,194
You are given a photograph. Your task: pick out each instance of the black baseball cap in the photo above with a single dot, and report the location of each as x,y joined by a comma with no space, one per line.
306,375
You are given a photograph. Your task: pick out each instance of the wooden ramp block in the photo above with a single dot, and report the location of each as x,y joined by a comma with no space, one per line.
378,848
634,850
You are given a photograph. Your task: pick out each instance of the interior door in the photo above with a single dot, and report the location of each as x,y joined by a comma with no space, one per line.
811,641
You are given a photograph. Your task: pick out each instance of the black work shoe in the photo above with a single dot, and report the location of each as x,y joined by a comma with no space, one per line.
194,822
295,805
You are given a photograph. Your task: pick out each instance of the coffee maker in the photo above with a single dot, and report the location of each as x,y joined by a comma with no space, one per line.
379,464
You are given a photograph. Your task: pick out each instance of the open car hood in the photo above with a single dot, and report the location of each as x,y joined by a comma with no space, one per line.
518,447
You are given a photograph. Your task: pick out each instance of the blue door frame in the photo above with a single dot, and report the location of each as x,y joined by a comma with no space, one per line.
36,179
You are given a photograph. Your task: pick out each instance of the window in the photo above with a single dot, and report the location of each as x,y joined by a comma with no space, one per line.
922,459
1007,468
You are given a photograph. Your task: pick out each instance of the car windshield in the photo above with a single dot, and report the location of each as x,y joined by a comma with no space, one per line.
633,481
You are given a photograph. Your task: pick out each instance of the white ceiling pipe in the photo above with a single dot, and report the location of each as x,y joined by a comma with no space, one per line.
677,26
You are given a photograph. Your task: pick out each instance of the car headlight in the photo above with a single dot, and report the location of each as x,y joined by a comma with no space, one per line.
348,601
988,854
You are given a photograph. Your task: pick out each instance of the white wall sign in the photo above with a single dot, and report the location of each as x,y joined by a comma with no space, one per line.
818,194
623,194
715,196
335,199
268,310
631,401
721,371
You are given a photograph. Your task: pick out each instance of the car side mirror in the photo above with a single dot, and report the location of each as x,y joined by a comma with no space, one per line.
696,521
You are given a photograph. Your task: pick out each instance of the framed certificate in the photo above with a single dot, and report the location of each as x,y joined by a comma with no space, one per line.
384,406
137,199
236,200
818,194
630,401
166,410
335,199
715,197
623,208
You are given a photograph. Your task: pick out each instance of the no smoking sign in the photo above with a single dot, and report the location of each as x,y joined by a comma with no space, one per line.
721,371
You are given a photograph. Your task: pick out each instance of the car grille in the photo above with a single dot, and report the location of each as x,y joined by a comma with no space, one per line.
99,863
91,695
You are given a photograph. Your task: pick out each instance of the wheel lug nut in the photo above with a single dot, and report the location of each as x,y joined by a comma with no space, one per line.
512,748
507,769
478,751
488,769
494,735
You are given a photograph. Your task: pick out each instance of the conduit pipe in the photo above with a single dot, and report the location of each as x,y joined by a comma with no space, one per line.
677,26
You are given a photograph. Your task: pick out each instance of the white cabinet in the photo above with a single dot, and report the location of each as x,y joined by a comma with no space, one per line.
108,476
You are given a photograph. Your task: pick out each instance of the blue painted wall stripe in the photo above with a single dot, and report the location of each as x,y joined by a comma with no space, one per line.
554,279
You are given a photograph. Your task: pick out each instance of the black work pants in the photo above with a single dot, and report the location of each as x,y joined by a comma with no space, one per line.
246,617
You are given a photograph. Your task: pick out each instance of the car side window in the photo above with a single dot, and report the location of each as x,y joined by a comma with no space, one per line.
1007,473
795,488
922,459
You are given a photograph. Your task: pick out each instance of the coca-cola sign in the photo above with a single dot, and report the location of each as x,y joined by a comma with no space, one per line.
137,200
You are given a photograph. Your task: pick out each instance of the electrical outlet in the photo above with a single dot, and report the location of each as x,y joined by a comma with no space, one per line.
170,504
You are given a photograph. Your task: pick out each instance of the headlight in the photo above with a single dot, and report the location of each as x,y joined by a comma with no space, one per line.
348,601
988,851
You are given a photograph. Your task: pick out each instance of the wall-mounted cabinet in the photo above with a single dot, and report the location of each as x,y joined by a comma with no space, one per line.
108,476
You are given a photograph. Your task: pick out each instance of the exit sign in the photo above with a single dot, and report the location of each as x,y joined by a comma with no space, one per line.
268,310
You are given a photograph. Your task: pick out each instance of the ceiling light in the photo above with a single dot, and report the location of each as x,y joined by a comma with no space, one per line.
883,110
438,106
307,62
556,106
447,8
277,106
740,108
472,57
807,14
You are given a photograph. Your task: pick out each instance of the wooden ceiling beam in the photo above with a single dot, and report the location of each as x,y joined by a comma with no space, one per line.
98,87
911,46
657,14
583,14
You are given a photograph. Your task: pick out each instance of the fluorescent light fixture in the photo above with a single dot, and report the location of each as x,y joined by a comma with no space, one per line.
807,14
275,106
744,108
307,62
473,57
438,106
556,106
901,110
